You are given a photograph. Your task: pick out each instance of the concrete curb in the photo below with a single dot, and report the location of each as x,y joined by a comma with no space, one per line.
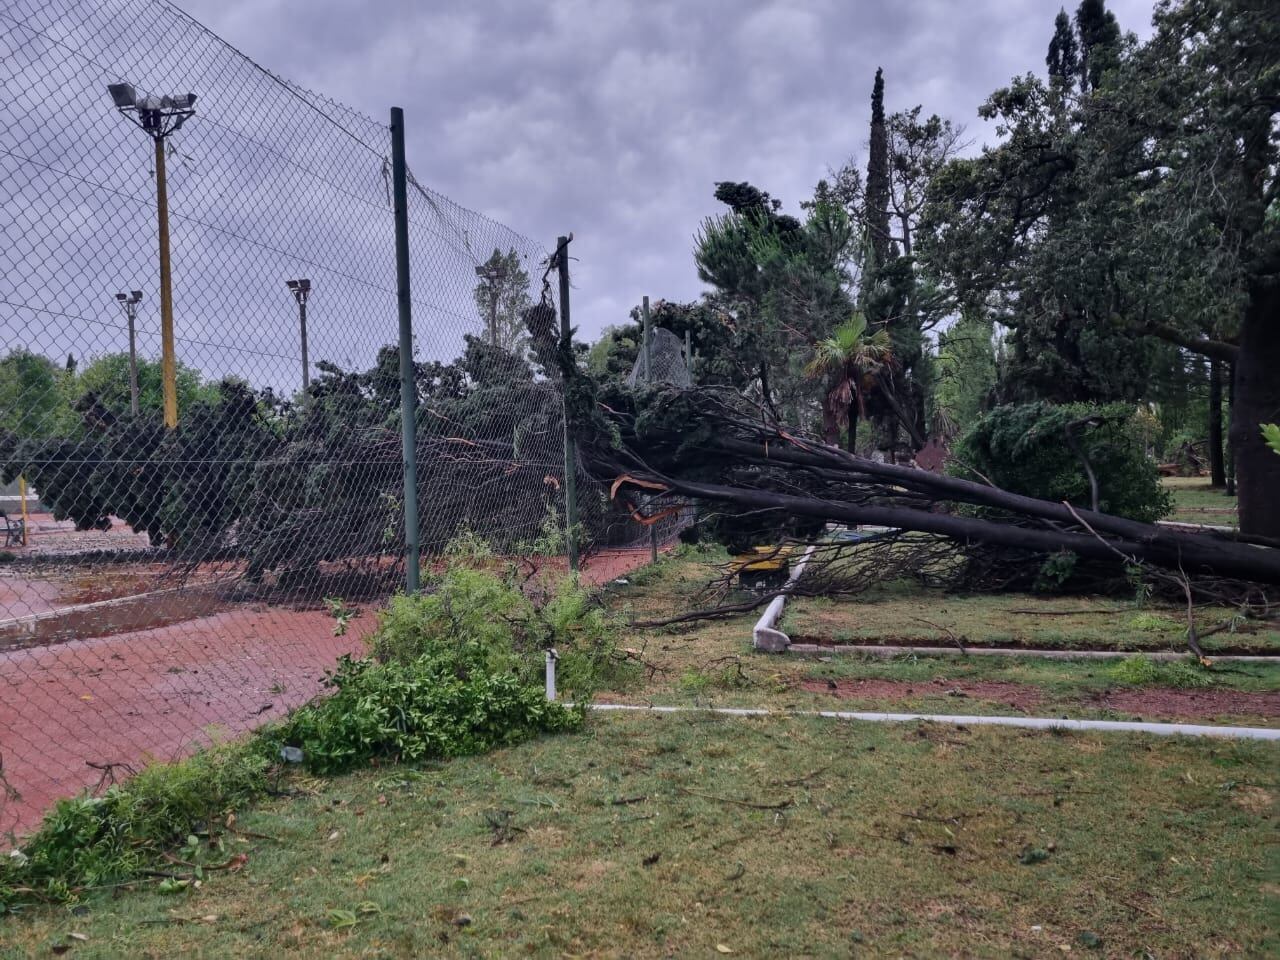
140,611
886,651
1026,723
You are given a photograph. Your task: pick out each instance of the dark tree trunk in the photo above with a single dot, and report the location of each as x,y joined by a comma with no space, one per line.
830,427
1257,401
1217,467
1231,453
1194,553
852,443
765,394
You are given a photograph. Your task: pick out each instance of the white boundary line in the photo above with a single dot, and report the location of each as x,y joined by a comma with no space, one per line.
891,650
1029,723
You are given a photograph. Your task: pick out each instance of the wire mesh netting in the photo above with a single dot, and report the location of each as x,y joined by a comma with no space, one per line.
163,585
662,360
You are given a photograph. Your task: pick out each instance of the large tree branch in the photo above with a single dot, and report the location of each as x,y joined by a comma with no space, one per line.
1205,556
1214,349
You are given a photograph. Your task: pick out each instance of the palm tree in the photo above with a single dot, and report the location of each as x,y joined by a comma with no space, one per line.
851,360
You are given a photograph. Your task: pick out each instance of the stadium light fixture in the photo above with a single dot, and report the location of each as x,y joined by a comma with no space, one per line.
124,95
301,290
159,116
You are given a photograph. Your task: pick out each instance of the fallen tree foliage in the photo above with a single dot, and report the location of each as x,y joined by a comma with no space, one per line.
715,446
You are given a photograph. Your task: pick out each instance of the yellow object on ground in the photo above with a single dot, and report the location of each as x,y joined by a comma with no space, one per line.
764,558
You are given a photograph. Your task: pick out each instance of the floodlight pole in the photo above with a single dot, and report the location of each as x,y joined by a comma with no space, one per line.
158,117
301,290
302,328
130,305
131,310
168,357
408,386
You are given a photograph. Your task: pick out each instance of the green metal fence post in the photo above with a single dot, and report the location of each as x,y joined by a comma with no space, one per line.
570,458
647,337
408,386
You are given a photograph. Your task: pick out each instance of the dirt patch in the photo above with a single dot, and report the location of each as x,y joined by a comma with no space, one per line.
1253,800
1020,696
1160,702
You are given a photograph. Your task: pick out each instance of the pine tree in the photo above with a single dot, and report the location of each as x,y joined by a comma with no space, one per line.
1099,33
877,197
1063,59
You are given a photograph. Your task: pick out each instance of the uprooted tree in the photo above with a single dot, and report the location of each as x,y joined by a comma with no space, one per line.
717,447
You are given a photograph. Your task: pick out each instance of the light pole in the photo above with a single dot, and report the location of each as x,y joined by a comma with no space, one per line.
301,291
492,272
130,303
158,117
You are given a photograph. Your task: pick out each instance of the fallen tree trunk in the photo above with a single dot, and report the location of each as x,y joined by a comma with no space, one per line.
1190,553
717,447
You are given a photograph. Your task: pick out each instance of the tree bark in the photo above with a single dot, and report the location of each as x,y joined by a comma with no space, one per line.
1217,468
1257,401
1195,554
1231,453
1205,347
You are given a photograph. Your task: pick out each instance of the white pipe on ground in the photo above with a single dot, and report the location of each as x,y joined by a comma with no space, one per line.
765,635
1026,723
887,650
552,657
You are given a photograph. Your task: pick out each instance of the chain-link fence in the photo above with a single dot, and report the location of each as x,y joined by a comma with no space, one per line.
197,479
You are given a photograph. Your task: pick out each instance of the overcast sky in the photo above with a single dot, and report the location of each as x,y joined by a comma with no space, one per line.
608,119
614,119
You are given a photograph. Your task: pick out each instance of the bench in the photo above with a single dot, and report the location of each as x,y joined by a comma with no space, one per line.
14,530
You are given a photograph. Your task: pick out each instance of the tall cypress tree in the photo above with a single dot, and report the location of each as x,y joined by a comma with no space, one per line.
1063,59
877,197
1099,33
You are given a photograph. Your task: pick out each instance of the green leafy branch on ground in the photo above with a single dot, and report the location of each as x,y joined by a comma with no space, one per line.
456,671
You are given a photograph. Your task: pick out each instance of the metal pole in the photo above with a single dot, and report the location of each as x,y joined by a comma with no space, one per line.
1230,458
552,657
493,313
168,360
131,311
648,341
570,460
408,388
306,366
26,519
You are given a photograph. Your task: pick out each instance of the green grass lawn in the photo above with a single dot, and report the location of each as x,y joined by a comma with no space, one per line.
1195,501
713,663
934,618
692,836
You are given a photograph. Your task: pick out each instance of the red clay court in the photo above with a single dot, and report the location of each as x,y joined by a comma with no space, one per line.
78,713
